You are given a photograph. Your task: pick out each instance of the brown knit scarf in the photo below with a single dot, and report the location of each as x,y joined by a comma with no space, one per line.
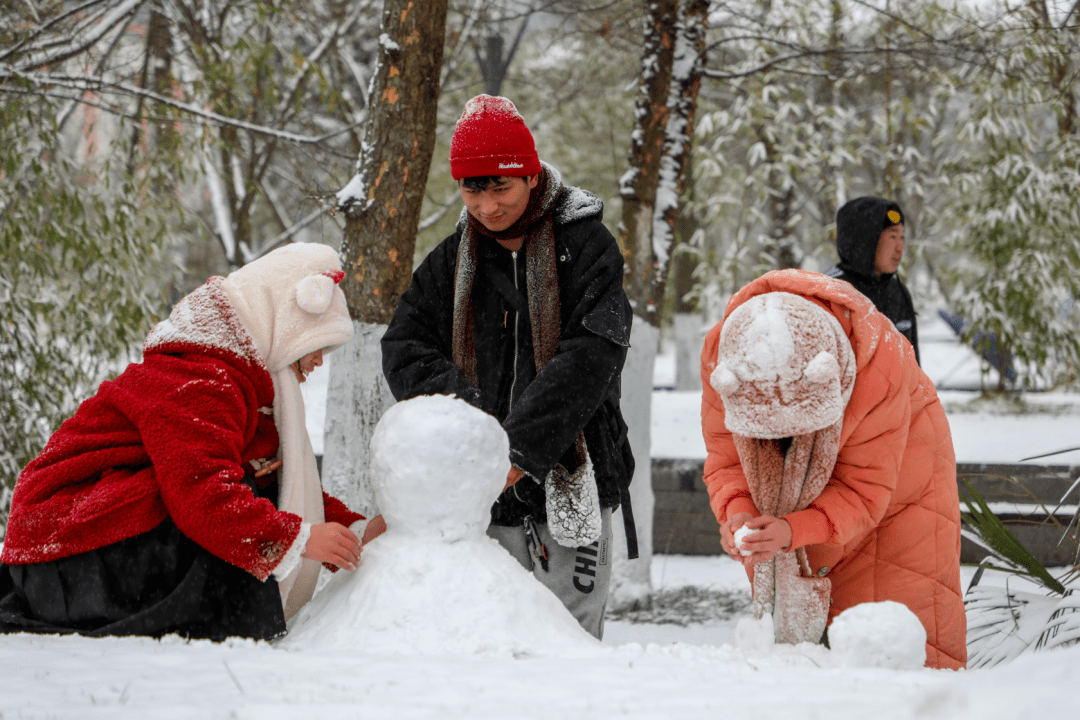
781,483
542,282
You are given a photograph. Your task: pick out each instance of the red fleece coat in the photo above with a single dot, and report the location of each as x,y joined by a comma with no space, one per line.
169,437
887,524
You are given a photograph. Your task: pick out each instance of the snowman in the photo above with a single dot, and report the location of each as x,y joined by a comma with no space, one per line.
434,583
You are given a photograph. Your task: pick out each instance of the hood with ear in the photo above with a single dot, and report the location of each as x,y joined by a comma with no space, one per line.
290,303
785,367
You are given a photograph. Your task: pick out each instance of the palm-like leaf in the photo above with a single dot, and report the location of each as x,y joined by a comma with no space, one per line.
992,534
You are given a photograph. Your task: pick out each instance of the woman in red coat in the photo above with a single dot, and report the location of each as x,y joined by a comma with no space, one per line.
184,497
826,439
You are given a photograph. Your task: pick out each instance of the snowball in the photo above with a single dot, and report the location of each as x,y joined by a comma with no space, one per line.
879,634
438,466
739,535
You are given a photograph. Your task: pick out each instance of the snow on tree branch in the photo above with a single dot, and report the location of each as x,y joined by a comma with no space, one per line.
77,85
89,33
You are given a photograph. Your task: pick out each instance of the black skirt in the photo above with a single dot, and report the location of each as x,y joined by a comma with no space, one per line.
157,583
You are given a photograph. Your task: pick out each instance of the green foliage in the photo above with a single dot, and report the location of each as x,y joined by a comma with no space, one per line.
80,266
782,145
1014,210
971,122
993,535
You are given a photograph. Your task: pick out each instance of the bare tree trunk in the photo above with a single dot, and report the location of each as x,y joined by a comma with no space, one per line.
494,64
155,75
667,96
689,335
382,212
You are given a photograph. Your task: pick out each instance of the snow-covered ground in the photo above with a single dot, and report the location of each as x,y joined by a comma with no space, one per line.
649,670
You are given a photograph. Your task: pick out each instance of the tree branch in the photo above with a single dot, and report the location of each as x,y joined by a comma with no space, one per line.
102,87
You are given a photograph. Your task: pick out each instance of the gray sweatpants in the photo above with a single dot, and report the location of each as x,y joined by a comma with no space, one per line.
579,577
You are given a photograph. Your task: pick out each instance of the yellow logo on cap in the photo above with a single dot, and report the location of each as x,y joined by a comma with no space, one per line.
893,216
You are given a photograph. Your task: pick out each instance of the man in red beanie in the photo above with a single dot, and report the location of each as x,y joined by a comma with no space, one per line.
521,312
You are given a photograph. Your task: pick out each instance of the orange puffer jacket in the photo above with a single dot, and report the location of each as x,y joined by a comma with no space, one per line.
887,524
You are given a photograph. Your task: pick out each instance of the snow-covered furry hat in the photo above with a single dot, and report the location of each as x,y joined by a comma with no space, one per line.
491,138
784,367
290,303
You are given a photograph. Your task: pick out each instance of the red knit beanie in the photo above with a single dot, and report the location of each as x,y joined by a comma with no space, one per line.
491,139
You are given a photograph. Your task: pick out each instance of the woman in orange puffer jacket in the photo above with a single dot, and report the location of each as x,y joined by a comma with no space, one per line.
825,437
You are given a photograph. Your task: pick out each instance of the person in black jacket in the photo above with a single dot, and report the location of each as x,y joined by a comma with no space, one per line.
870,242
521,313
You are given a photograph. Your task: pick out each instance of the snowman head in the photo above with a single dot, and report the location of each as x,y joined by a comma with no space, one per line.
438,464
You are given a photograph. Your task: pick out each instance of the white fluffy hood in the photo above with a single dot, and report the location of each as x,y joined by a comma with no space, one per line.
290,303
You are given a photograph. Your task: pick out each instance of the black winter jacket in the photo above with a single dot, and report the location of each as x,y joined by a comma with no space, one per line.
579,389
856,243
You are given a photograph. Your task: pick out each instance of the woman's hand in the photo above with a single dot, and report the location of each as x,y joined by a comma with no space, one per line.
374,529
727,533
335,544
770,536
268,468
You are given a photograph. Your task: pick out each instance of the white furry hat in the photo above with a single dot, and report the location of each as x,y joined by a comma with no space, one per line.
784,367
290,303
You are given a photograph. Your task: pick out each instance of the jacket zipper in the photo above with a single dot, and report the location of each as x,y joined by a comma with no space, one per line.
513,376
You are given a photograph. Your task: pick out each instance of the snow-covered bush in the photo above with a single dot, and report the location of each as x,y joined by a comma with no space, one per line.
80,282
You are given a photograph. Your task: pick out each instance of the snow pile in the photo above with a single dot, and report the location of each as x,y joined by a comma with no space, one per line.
880,634
434,583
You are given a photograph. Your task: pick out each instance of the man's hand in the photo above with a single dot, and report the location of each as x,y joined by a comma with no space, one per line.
770,536
335,544
513,476
374,529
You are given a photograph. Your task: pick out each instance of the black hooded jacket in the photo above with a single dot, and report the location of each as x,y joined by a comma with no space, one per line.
577,390
859,224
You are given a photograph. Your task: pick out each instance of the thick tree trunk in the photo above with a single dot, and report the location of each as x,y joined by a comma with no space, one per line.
689,337
688,332
667,96
356,398
382,212
631,582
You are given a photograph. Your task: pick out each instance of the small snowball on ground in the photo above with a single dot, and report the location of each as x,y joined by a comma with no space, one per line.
434,583
880,634
739,535
755,635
